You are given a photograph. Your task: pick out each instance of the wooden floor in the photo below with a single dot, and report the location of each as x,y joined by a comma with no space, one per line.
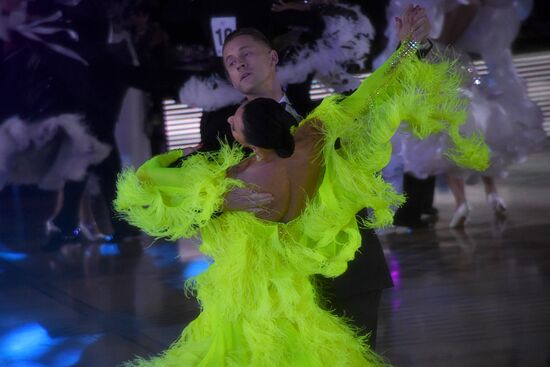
479,297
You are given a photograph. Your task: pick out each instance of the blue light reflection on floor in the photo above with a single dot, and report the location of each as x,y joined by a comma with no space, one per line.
27,364
67,357
30,341
109,249
163,255
196,267
30,345
11,256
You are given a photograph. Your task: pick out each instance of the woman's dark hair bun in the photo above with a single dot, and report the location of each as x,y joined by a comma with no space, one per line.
267,125
287,147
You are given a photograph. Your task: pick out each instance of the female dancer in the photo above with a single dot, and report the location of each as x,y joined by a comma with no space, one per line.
259,307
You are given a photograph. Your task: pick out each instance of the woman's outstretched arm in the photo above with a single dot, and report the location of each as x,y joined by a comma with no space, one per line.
176,202
413,29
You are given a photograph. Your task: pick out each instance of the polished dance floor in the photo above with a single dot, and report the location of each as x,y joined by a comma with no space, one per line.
473,297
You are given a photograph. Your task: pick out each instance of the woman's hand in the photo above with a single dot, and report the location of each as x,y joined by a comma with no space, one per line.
413,24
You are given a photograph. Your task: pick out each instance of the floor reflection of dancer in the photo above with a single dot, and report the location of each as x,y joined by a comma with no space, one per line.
259,306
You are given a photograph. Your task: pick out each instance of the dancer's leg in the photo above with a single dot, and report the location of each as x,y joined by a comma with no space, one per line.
462,210
493,198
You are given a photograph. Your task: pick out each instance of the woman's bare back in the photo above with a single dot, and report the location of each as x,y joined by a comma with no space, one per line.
291,180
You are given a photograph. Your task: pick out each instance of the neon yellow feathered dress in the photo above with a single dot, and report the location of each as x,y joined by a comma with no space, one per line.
258,304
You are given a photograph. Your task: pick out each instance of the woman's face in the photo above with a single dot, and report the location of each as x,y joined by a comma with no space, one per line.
237,126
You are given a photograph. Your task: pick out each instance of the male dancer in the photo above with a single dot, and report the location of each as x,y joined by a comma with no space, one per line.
250,63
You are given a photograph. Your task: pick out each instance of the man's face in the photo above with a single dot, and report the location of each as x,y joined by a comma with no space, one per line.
250,64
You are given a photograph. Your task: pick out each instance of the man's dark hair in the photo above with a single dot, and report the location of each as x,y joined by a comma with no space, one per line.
267,125
252,32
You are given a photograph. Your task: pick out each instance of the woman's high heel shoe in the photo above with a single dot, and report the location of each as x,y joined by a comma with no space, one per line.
90,234
460,216
497,204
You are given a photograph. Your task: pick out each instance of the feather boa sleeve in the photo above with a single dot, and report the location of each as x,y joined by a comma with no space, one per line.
405,89
176,202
